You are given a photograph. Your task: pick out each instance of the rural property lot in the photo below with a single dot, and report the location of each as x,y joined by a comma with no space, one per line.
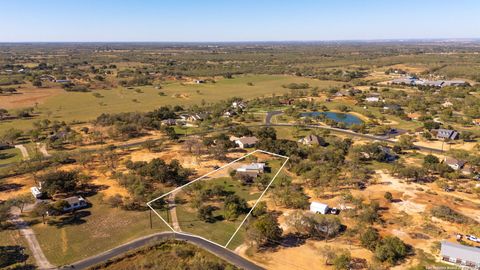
216,205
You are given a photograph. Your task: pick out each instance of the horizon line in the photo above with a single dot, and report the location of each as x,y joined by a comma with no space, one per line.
263,41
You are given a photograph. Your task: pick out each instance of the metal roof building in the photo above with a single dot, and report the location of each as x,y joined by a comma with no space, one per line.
462,255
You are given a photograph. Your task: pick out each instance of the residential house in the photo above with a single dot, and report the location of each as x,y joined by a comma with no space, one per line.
74,203
191,117
392,107
389,154
312,140
252,170
446,134
319,208
454,163
239,105
246,142
169,122
36,192
437,83
46,77
372,99
464,256
405,80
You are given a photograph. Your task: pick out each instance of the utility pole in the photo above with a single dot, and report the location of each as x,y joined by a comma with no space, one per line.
151,225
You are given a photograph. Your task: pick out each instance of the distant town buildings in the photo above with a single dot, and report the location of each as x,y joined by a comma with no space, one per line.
432,83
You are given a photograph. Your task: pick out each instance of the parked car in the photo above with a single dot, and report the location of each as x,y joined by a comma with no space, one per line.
472,238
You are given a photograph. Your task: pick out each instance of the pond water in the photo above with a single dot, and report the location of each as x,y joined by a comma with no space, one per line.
348,119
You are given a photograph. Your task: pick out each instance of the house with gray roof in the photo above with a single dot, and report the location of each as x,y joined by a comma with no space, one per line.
446,134
246,142
464,256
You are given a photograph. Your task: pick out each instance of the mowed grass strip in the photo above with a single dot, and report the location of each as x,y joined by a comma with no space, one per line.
103,229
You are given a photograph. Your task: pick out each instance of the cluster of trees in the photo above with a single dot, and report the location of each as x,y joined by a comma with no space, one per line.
60,181
143,178
389,249
288,194
204,194
263,229
450,215
131,124
308,224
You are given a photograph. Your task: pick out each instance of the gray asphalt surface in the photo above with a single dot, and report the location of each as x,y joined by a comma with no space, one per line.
221,252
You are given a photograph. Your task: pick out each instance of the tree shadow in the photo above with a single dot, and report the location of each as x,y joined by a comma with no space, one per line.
10,187
10,255
75,218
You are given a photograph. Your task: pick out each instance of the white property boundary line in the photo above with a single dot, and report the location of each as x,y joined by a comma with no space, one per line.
214,171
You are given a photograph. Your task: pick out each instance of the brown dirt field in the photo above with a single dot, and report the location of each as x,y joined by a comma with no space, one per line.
305,256
202,165
28,97
406,217
469,146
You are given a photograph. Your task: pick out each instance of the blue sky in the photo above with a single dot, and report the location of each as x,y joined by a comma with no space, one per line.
236,20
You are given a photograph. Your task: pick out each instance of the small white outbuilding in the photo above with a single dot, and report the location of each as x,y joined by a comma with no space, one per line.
319,208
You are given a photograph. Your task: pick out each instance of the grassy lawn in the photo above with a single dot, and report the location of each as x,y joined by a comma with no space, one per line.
69,106
221,230
103,229
10,156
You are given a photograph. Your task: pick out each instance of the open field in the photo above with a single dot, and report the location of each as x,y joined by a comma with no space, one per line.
72,106
97,229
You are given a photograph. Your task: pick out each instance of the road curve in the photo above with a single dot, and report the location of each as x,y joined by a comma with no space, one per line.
219,251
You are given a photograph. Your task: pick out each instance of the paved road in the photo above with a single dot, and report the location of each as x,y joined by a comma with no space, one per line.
270,115
40,259
221,252
24,151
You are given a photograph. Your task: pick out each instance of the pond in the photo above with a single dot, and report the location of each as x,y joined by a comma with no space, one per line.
346,118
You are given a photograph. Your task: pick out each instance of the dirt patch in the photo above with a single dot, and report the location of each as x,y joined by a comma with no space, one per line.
306,256
28,97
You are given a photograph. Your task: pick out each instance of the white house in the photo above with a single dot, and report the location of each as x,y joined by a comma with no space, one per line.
75,202
246,142
259,167
372,99
454,163
36,192
319,208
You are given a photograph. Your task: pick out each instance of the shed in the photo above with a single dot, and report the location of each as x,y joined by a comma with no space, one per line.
320,208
